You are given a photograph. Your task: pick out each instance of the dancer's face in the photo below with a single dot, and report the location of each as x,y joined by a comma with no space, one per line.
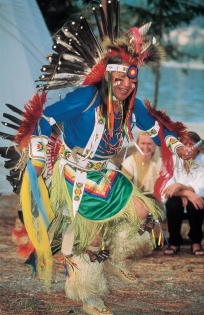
122,86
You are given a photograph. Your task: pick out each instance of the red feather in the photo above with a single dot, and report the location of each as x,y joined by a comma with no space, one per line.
33,112
96,74
180,130
177,127
167,169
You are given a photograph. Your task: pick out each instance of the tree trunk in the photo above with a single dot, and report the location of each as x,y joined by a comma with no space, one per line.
156,87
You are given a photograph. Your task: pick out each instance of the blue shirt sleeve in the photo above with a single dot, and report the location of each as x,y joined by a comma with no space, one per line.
145,121
66,109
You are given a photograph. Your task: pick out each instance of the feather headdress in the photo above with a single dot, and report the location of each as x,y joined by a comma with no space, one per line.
80,57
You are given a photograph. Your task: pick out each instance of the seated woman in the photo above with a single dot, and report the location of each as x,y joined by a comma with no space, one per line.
142,168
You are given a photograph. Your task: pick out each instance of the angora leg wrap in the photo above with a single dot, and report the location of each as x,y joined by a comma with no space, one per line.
124,243
88,281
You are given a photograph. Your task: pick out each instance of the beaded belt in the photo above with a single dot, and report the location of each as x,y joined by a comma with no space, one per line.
80,162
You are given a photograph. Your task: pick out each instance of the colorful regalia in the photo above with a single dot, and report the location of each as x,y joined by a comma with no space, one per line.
80,193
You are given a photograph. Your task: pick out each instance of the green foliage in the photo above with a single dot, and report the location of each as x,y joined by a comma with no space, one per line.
165,16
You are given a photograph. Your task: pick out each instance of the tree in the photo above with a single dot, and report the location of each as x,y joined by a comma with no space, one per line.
57,12
165,15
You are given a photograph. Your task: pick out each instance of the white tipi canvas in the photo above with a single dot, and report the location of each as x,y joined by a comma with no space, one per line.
24,43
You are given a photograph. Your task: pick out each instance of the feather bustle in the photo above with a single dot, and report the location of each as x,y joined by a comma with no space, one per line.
177,127
33,112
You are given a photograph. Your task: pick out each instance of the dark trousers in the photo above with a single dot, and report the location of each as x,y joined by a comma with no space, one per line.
175,215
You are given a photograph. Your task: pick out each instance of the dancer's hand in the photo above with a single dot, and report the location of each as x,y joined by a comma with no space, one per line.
183,153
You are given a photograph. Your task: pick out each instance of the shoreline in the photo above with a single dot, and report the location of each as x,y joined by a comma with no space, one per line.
187,65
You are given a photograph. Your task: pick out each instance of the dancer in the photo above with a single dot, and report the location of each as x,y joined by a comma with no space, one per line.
71,196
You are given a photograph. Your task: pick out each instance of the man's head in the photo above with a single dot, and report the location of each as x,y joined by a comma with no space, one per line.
191,139
122,76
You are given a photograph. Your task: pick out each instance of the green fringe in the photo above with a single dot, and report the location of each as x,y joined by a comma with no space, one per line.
86,230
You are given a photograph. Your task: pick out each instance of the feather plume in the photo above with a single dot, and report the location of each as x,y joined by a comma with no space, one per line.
9,152
33,112
101,33
79,54
91,39
144,28
14,109
12,118
7,136
110,20
103,20
177,127
117,26
96,74
10,125
10,163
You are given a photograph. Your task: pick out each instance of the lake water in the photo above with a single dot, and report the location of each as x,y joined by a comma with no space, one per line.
182,96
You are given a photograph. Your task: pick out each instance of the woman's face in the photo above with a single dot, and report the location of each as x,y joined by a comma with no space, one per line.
146,144
122,86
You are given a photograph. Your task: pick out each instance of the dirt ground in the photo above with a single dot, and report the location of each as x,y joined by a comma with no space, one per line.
167,285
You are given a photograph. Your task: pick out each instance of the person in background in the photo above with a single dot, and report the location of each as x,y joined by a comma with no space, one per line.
185,200
142,168
200,157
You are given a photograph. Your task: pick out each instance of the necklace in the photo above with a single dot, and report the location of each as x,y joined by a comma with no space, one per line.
111,146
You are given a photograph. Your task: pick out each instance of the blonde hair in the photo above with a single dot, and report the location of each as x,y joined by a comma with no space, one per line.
156,155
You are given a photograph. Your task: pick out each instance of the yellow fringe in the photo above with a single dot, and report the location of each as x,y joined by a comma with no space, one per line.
36,229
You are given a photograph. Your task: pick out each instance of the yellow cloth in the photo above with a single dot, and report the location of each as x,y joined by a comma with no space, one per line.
36,228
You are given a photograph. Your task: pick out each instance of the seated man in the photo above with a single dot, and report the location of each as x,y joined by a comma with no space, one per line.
200,156
184,194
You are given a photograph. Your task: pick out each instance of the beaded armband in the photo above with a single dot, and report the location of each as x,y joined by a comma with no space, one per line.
50,120
153,131
173,143
38,147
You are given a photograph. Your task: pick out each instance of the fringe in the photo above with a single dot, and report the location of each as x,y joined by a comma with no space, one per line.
86,229
88,280
124,244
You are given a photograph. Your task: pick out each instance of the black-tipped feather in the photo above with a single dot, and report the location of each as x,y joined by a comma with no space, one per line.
101,33
117,26
9,152
10,163
103,20
14,109
6,136
110,20
77,49
91,38
13,119
10,125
